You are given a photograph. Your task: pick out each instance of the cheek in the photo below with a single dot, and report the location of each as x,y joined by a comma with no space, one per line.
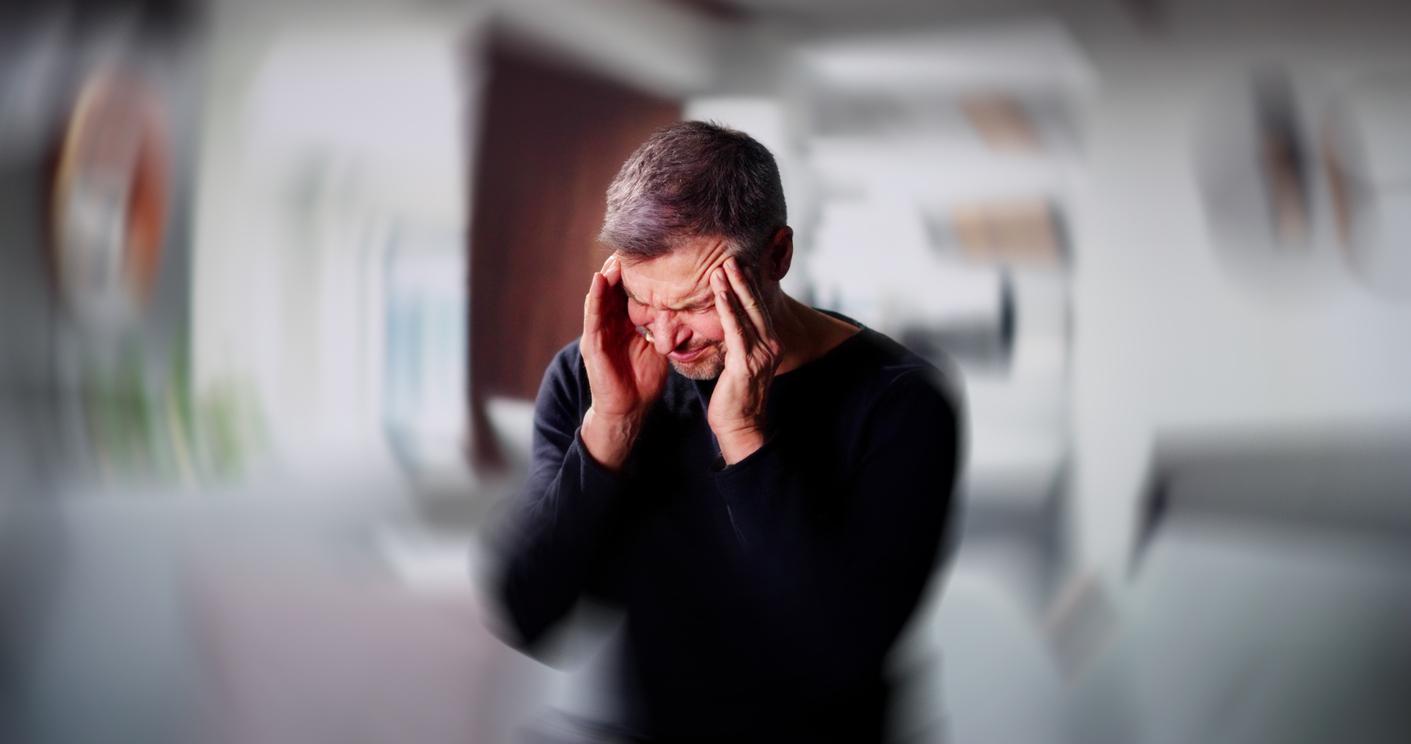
707,325
638,314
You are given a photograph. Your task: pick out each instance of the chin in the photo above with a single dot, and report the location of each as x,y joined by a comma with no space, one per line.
706,368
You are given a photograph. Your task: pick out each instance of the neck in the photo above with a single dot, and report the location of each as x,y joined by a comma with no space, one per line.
804,333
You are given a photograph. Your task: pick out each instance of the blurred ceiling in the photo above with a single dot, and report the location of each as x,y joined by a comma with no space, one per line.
850,15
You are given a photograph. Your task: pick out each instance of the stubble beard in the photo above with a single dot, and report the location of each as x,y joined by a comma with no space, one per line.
708,367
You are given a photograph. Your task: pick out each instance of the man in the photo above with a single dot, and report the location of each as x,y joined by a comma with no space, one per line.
762,487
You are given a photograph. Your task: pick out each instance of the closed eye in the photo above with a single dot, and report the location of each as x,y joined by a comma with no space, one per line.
698,307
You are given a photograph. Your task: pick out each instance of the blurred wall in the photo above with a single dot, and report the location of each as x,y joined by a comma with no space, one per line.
1167,336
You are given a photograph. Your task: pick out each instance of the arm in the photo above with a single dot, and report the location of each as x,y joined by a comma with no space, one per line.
556,531
830,596
825,574
548,547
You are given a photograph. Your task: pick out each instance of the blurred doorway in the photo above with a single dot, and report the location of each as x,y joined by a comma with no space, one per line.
552,137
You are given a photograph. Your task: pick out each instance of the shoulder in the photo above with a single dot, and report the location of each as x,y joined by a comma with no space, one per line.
565,381
911,409
901,402
894,376
567,362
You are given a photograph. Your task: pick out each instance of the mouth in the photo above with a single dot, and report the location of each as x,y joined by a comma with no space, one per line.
687,356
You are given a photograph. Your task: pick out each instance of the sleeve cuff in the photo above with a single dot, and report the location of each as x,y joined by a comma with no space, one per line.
750,462
594,475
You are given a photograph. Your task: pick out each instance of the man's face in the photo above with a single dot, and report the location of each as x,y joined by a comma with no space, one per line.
670,298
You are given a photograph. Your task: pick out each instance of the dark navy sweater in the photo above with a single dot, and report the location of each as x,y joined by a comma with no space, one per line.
759,599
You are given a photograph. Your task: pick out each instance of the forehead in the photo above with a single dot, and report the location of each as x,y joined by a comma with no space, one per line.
677,278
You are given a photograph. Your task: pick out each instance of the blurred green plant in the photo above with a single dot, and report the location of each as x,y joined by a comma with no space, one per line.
144,423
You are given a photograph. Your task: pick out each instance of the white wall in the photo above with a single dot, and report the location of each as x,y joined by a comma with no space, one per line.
321,138
1167,335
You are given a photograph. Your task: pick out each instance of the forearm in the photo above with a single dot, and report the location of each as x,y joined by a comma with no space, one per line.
609,439
817,561
821,554
553,540
553,532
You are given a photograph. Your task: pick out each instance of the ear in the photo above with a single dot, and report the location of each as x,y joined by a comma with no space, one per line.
779,255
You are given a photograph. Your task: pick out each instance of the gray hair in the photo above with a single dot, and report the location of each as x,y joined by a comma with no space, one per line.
690,179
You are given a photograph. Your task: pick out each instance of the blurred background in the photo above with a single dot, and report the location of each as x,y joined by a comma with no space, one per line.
278,281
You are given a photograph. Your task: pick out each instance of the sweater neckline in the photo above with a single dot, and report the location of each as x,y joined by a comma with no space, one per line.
838,349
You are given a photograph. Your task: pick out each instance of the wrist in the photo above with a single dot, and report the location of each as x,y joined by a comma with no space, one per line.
739,444
609,438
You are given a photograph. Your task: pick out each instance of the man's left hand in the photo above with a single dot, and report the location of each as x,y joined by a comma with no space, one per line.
752,353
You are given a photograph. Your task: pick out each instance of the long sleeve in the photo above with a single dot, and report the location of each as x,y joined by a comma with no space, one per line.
555,527
827,596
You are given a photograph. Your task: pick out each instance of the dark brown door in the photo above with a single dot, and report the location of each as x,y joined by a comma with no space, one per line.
552,138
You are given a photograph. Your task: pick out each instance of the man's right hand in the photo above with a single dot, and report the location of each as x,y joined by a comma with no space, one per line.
624,373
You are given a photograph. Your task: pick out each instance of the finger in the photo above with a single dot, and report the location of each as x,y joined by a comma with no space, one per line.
742,317
614,296
593,309
730,319
748,297
612,270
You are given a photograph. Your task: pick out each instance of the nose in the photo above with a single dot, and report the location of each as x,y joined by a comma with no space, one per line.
667,333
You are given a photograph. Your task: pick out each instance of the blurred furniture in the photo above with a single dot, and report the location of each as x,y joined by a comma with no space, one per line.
1340,482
